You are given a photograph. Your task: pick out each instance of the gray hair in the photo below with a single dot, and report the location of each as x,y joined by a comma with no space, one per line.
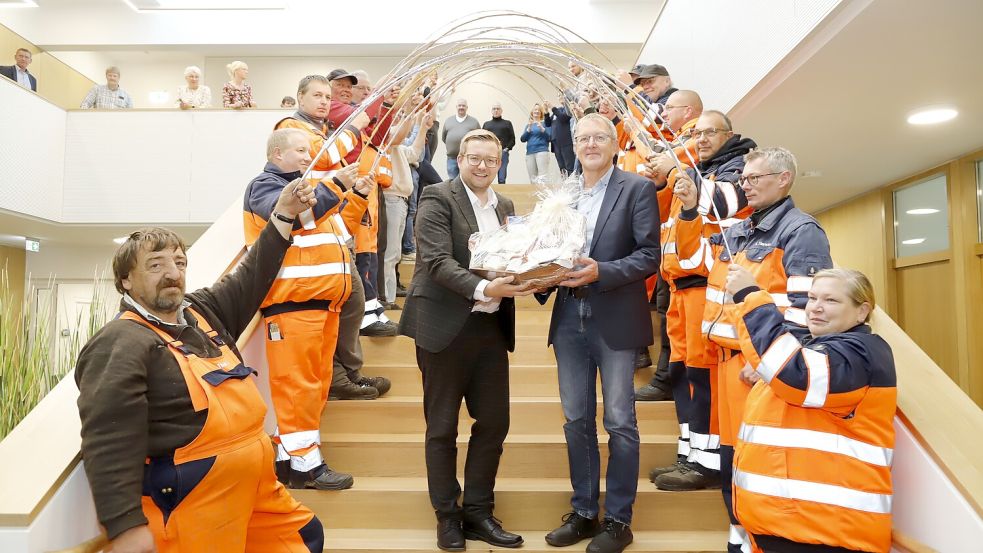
361,74
113,69
235,66
777,158
612,131
192,69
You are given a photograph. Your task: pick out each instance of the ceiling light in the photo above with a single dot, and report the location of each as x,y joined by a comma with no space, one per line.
18,4
930,116
912,241
121,239
156,5
922,211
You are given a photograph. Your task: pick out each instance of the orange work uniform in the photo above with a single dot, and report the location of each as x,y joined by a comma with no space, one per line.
219,492
814,451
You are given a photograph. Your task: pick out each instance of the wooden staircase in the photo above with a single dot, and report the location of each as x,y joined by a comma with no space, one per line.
381,443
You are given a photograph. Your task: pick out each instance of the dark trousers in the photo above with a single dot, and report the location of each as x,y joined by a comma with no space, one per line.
475,368
382,243
348,352
503,169
661,378
564,157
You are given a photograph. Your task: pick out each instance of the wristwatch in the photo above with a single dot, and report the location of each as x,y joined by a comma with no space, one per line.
284,218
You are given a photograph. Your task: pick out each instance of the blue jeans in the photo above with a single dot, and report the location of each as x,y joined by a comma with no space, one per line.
452,169
580,352
503,169
408,245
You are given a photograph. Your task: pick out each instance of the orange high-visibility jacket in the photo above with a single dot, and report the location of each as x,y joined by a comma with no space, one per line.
317,264
813,456
783,248
367,232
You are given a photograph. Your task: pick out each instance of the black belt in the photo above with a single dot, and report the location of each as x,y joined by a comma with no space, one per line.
291,306
579,292
690,281
727,353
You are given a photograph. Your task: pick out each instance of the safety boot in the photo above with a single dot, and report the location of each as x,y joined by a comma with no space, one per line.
380,383
320,478
686,479
353,390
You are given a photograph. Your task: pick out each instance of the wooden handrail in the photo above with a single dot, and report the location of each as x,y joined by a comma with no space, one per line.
907,544
95,545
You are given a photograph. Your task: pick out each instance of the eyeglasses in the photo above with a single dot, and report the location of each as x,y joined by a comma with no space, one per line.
753,179
474,160
709,133
667,107
599,139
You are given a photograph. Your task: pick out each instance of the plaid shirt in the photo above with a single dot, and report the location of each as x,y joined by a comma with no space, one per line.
100,97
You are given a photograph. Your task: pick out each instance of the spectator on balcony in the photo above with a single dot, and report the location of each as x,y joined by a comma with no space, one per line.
108,96
236,94
288,102
18,72
194,94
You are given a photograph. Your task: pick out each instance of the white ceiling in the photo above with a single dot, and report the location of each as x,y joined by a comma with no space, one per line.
14,227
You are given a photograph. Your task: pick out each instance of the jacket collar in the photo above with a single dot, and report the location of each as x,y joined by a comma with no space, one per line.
770,215
272,168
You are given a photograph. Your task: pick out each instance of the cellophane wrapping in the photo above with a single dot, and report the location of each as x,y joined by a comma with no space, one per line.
538,248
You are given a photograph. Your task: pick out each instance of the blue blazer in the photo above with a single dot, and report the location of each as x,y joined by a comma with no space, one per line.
10,71
626,248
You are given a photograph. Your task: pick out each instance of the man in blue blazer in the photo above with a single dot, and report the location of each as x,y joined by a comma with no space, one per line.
18,72
600,320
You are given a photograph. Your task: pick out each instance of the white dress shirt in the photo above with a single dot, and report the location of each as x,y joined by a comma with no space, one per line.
487,221
22,77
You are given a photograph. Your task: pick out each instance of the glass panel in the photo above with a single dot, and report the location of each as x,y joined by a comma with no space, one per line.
921,217
979,197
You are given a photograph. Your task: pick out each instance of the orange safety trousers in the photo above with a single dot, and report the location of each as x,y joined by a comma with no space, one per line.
219,493
733,394
300,348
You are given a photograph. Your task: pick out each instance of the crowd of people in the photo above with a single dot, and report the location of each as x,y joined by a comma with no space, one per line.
783,396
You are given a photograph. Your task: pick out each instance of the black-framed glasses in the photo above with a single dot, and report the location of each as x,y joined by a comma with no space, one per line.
475,160
599,139
753,179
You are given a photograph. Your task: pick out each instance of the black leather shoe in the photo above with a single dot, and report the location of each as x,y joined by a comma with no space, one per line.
450,536
643,359
649,392
614,539
575,528
491,532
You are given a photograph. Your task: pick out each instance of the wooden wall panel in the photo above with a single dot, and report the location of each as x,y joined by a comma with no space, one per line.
926,304
58,83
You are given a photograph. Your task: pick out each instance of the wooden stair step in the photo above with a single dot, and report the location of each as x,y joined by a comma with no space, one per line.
529,415
400,350
525,455
398,503
527,323
524,380
522,304
372,540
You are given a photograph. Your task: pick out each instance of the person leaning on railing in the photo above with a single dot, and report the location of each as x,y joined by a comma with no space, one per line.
172,421
812,468
193,94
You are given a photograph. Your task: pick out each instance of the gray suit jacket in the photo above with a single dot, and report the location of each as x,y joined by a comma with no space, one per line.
440,296
626,248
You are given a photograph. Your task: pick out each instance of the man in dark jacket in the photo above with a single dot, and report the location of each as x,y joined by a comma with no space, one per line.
157,389
505,132
18,72
558,119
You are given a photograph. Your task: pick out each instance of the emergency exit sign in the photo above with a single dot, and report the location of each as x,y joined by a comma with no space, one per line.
32,245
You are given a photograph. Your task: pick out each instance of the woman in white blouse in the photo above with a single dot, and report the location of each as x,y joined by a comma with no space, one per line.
194,94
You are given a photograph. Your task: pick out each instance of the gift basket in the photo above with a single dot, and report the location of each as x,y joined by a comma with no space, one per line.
539,248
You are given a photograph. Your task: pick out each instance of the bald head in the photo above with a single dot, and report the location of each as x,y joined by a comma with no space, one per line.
682,107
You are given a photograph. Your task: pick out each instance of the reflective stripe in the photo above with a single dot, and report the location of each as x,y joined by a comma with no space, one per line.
319,239
347,141
737,535
781,300
719,329
669,248
799,284
334,155
668,224
321,175
819,441
683,448
813,491
385,171
704,441
729,222
307,462
779,352
299,440
730,195
307,271
705,202
342,229
717,296
621,153
707,459
684,430
818,364
796,315
694,261
372,305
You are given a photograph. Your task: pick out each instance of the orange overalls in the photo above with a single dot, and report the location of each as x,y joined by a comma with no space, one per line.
219,492
367,234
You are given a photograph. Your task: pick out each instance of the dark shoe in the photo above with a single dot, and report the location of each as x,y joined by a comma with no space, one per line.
380,383
379,329
659,471
393,307
575,528
686,479
649,392
282,469
491,532
400,291
450,535
614,539
353,390
643,360
320,478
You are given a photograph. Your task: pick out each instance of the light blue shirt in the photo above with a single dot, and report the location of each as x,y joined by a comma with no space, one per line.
22,78
589,205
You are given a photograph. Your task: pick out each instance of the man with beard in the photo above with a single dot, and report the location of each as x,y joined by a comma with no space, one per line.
172,421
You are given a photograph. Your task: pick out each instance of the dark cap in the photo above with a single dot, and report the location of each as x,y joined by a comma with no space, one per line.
653,70
637,70
342,74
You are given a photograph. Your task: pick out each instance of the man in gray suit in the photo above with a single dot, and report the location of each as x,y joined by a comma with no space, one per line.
600,320
464,327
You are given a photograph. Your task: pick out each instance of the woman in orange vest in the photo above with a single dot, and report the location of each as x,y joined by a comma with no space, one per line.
812,468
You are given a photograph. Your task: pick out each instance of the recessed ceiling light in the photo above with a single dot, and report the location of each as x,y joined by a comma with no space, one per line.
912,241
930,116
121,239
922,211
